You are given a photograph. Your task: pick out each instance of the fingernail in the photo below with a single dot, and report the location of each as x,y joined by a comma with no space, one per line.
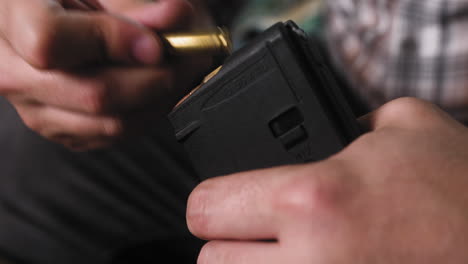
146,49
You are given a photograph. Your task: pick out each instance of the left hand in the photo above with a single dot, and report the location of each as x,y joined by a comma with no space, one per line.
396,195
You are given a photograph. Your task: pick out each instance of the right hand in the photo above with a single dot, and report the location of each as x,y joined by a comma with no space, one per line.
83,78
395,195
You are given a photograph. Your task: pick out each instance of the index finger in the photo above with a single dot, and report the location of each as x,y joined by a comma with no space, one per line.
266,204
231,207
240,206
47,36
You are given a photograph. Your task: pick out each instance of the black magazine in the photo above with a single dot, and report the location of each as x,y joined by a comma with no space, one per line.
273,102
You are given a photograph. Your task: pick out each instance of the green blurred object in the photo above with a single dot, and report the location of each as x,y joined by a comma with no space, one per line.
259,15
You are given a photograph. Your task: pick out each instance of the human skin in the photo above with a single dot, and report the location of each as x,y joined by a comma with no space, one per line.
48,87
395,195
86,78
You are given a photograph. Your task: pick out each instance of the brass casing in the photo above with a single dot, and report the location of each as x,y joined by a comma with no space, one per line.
216,43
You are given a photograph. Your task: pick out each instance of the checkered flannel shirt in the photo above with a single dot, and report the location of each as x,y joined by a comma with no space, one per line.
394,48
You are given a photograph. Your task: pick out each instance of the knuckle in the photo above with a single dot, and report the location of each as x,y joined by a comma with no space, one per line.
407,109
33,123
301,197
410,104
113,128
95,98
39,45
317,190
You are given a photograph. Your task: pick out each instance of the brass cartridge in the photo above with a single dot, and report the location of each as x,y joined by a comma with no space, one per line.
216,43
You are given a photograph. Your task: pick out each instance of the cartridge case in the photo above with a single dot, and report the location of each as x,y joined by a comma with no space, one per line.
215,43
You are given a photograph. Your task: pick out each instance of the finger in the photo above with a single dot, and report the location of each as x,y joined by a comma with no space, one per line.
163,15
264,204
114,90
240,206
407,113
233,252
68,128
48,36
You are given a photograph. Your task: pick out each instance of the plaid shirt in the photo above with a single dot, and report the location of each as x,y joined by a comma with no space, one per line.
394,48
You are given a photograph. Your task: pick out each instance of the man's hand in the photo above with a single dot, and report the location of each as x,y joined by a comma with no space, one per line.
396,195
83,76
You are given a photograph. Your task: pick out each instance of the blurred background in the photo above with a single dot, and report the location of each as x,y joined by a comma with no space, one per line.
258,15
